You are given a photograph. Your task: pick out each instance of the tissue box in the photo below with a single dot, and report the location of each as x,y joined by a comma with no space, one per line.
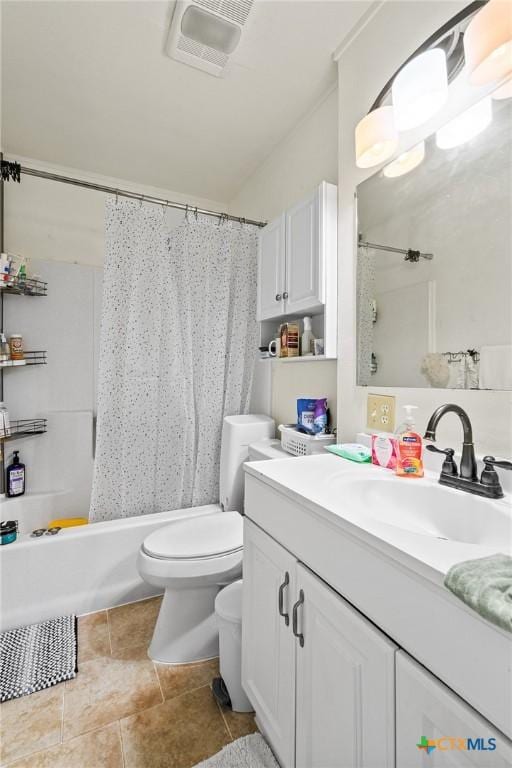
384,451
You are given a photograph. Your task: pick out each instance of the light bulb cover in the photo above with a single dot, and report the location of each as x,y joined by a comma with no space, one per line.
465,126
376,138
488,43
420,89
405,162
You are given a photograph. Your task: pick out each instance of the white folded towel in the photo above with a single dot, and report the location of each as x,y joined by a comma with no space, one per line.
496,367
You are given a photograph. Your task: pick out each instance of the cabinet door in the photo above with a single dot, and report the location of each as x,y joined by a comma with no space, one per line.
428,711
268,647
271,270
345,684
303,257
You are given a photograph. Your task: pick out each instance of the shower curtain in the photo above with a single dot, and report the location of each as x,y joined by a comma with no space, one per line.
177,349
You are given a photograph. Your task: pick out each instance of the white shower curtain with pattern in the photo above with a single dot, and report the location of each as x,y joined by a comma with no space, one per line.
178,342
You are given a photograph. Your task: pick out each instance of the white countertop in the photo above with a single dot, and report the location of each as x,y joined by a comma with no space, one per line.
317,482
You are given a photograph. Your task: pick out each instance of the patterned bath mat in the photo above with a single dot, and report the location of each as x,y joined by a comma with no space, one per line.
248,752
37,656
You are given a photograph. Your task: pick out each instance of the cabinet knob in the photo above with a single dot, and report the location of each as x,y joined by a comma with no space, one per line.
285,295
297,634
282,587
278,297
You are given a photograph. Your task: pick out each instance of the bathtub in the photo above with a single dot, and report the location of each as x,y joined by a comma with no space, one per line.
79,570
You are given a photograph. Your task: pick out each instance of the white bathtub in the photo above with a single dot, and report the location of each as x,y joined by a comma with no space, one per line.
79,570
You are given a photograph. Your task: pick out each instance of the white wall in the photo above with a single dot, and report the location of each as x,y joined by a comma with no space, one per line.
307,156
394,32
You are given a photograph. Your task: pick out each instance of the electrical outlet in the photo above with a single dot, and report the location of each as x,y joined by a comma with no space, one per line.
380,413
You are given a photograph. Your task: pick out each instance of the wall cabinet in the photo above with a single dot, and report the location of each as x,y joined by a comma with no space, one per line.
428,710
318,674
271,269
298,257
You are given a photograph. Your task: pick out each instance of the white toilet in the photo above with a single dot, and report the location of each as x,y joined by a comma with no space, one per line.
194,557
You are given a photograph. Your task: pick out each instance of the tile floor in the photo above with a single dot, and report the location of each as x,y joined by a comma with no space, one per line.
121,710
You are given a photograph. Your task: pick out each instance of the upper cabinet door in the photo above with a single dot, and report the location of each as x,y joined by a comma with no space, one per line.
428,711
304,284
271,269
268,648
345,684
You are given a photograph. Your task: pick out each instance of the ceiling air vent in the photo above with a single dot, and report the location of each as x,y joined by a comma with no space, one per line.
205,33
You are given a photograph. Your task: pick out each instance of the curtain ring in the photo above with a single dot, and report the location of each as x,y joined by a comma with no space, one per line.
117,196
141,200
186,213
195,213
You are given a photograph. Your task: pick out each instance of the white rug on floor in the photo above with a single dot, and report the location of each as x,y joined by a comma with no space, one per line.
248,752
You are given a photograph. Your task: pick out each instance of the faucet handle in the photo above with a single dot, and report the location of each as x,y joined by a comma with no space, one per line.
491,462
490,477
449,466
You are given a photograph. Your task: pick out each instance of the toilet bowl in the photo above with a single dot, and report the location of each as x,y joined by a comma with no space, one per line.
191,559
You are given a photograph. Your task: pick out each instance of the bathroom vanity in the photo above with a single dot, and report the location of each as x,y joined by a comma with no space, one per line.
354,652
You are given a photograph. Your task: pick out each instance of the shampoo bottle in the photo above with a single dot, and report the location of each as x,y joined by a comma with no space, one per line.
409,447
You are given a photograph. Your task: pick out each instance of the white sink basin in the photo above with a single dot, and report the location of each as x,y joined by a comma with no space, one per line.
427,508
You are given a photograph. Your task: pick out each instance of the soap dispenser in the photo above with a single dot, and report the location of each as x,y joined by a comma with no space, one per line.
409,447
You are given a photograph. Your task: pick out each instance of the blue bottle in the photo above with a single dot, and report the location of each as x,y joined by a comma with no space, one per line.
15,477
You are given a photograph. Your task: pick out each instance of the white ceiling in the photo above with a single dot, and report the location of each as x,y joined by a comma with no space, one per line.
87,85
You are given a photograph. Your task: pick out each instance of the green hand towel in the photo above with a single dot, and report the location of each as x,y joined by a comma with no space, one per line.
486,586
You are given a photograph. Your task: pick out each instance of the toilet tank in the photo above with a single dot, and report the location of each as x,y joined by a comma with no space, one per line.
237,433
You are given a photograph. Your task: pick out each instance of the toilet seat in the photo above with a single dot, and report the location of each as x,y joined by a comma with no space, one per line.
196,539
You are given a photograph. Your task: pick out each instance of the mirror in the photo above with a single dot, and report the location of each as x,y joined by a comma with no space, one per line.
434,266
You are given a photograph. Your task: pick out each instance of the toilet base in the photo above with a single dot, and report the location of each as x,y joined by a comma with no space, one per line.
186,629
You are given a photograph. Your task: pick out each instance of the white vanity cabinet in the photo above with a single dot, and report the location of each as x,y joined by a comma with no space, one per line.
298,257
427,708
319,675
268,658
344,683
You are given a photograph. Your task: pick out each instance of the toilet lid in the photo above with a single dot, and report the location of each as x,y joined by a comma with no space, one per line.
195,537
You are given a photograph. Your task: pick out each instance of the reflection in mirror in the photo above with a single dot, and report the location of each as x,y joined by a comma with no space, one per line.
434,264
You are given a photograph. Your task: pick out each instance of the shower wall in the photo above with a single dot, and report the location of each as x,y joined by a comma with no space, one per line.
66,324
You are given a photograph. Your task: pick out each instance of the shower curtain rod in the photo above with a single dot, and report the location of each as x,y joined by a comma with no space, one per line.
137,196
409,253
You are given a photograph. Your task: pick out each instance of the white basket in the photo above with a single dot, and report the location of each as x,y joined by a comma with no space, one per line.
301,444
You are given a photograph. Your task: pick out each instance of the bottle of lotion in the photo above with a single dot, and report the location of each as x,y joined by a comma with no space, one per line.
307,338
409,461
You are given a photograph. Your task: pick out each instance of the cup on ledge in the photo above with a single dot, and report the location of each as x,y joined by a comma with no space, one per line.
274,348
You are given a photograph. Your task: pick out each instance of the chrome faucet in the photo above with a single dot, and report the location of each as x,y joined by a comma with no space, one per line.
489,484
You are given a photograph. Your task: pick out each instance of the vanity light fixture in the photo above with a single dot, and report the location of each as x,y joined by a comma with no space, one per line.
504,91
488,43
405,162
376,138
465,126
420,89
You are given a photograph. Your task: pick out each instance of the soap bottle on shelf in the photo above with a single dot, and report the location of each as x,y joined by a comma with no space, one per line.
307,338
15,477
409,447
